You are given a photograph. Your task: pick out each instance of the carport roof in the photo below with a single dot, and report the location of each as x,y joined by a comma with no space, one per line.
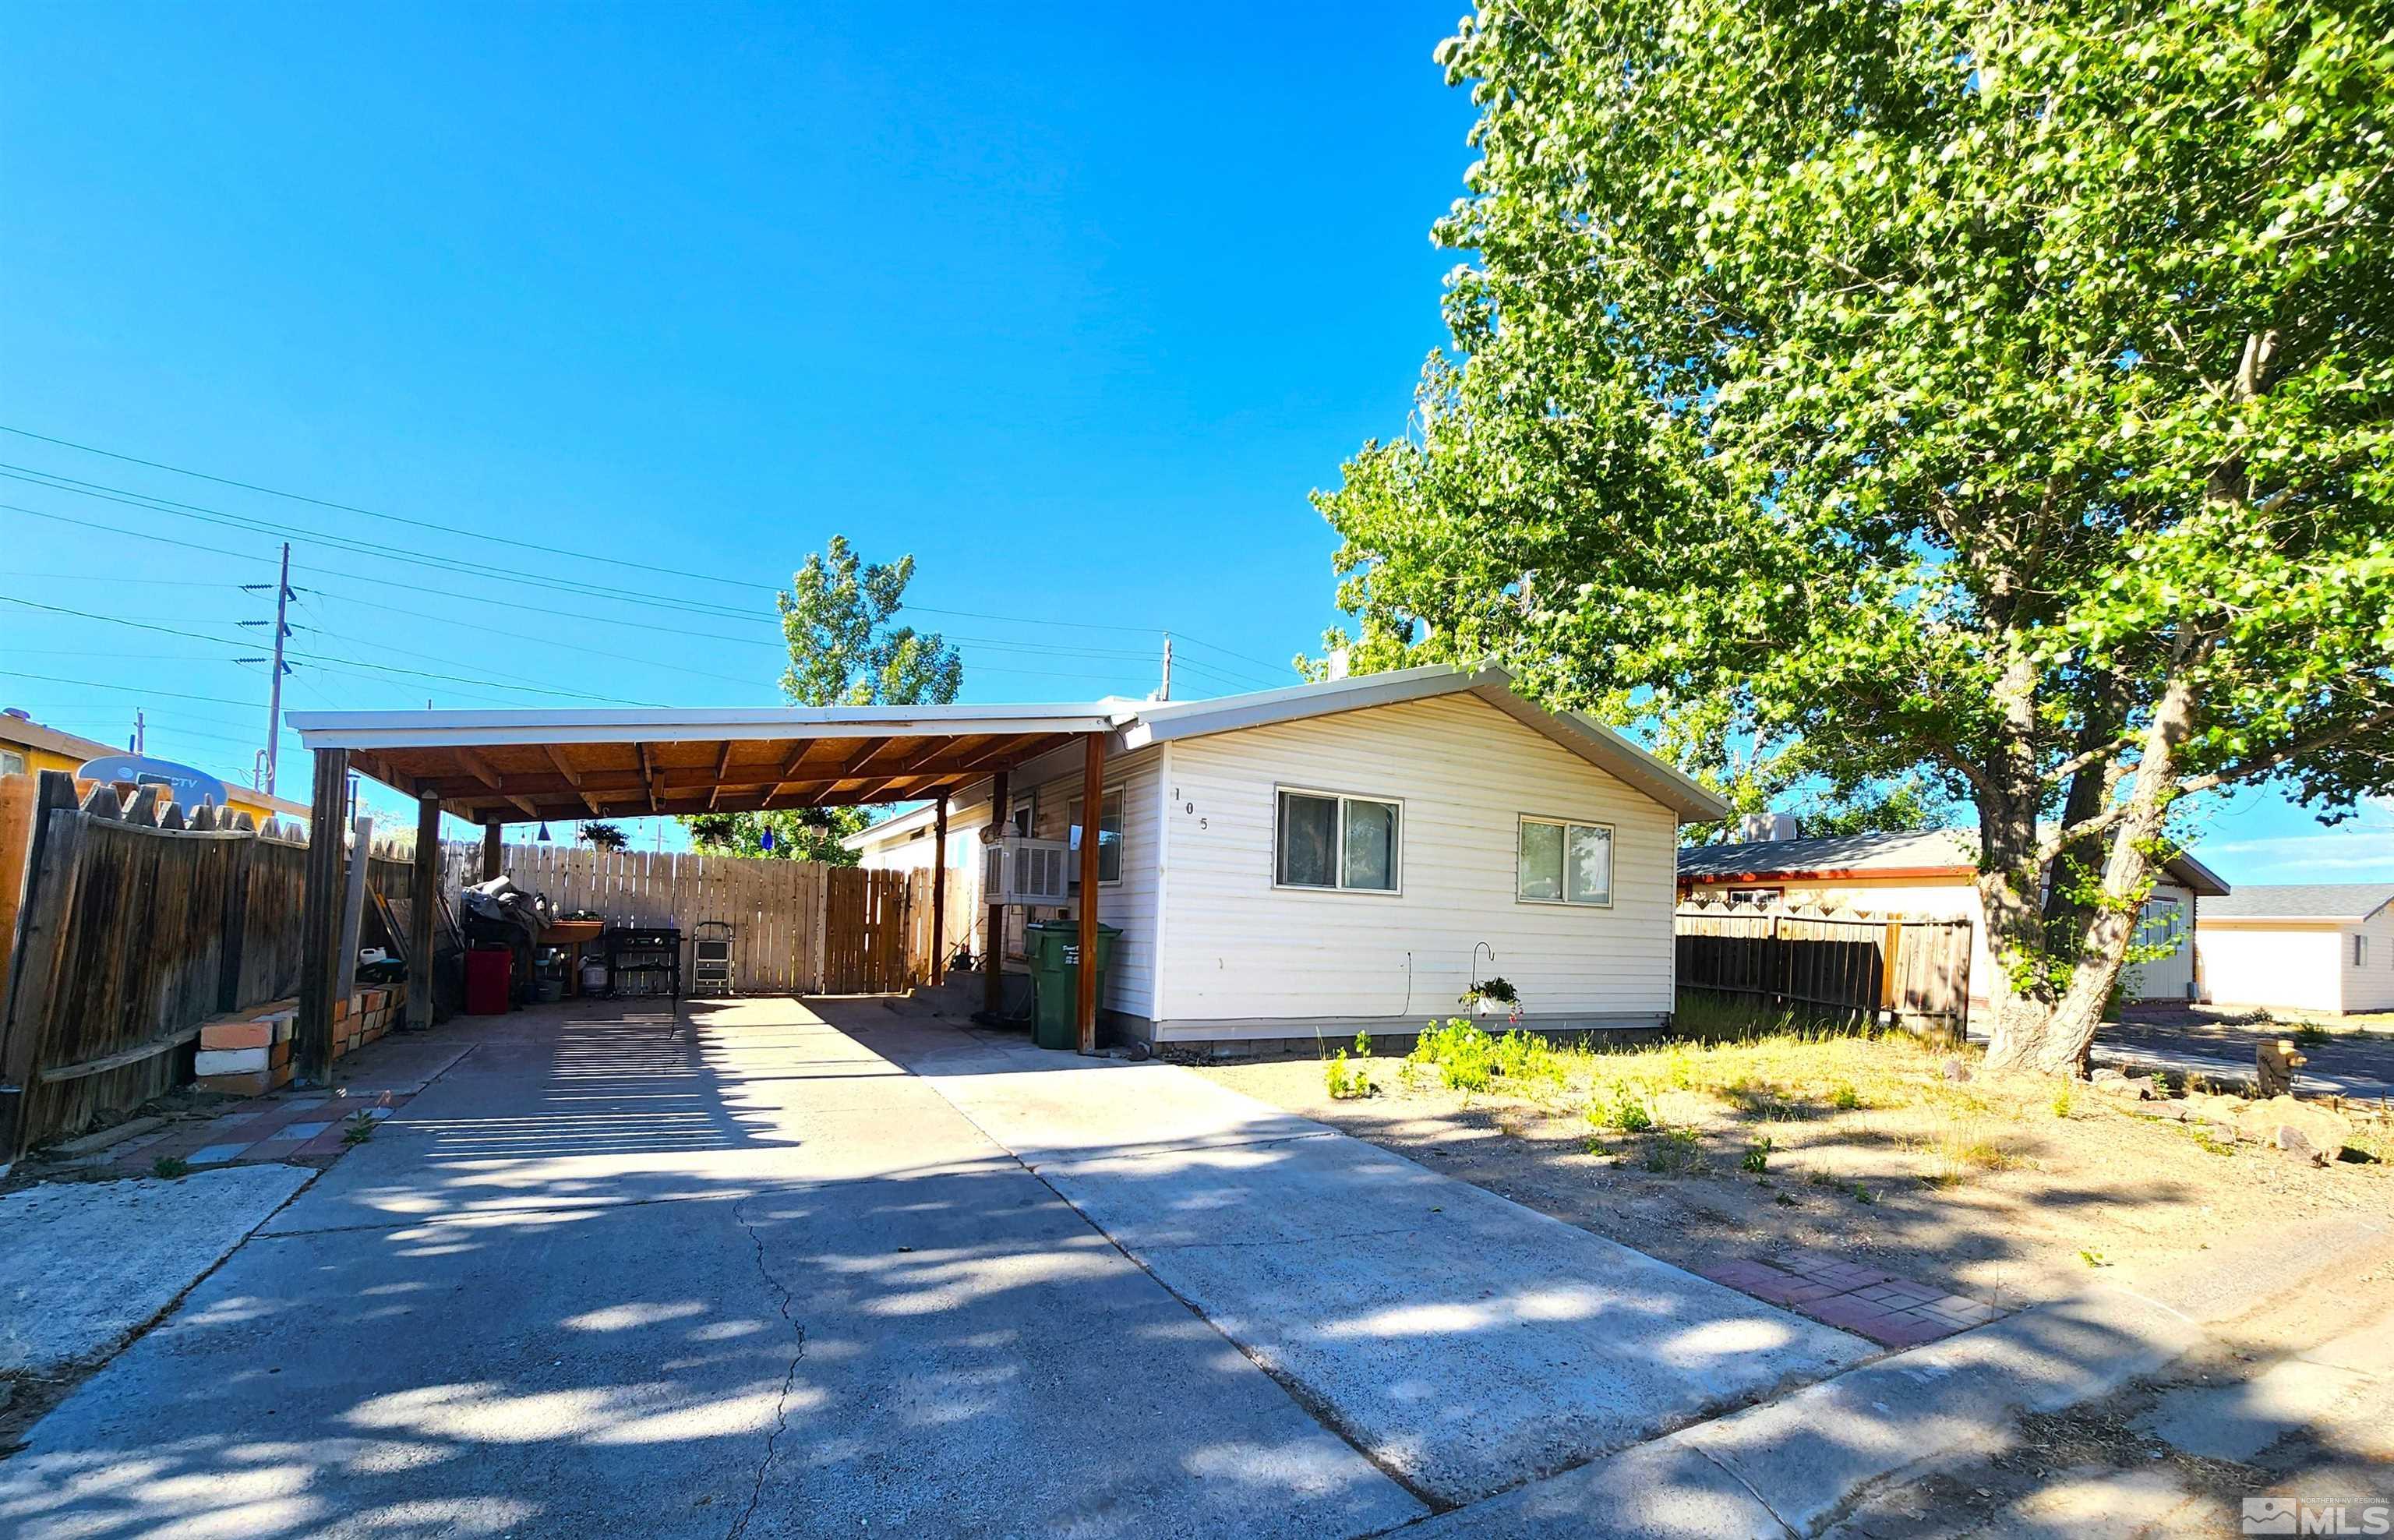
510,765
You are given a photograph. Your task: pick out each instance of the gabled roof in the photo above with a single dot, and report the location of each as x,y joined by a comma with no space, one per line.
1157,723
2347,903
1922,852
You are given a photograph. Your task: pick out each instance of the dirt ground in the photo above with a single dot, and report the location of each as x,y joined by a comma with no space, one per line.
2007,1189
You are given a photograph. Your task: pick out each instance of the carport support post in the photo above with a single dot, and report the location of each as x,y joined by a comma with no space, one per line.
993,962
320,917
425,894
1092,817
490,856
939,893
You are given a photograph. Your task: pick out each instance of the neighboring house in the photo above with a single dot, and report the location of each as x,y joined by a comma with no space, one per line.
2314,946
903,843
27,745
1354,854
1932,874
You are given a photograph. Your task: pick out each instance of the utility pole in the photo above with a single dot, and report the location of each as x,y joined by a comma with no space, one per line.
274,686
141,742
1166,694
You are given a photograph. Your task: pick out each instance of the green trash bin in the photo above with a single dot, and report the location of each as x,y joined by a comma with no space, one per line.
1055,947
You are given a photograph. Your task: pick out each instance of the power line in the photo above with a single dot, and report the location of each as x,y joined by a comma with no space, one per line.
485,537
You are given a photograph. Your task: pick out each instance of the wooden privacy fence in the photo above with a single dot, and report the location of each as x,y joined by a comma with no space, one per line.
798,927
1915,971
140,921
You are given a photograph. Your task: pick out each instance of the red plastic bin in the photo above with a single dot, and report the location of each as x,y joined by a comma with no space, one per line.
487,971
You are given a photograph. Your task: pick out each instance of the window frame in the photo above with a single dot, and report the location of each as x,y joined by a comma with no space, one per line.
1397,853
5,768
1612,849
2360,949
1122,840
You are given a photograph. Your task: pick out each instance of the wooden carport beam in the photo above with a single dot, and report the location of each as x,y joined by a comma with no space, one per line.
575,779
722,763
320,918
491,856
1093,814
939,892
647,776
424,896
993,962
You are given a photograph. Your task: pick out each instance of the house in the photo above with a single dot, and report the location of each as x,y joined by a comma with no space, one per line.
2312,946
1318,860
27,746
904,843
1934,873
1353,855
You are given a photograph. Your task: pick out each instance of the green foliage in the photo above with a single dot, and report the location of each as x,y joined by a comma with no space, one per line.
835,618
1627,1115
2061,1102
1843,1098
1992,403
1756,1158
799,833
170,1166
1463,1057
602,836
1346,1082
843,650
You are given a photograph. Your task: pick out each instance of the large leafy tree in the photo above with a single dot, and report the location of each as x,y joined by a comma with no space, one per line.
836,617
1997,393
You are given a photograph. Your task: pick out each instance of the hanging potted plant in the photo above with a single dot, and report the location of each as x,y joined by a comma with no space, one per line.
1493,997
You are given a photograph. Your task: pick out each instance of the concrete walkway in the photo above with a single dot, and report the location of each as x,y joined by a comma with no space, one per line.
606,1276
1465,1343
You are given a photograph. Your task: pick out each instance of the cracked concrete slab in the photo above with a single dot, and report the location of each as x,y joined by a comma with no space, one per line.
713,1345
1467,1343
88,1263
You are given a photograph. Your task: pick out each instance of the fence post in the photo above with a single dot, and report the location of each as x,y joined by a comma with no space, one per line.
319,919
1774,966
49,908
1887,992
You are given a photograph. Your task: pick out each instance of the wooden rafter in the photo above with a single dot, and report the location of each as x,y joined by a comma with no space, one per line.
648,775
722,763
572,778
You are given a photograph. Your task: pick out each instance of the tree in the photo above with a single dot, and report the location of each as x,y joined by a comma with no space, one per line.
835,619
603,836
1997,393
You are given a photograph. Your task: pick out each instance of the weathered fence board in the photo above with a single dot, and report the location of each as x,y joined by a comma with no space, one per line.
1916,971
140,920
798,927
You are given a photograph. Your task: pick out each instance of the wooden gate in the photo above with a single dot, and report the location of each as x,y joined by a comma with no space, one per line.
865,932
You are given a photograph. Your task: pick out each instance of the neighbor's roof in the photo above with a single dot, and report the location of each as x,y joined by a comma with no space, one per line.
2303,901
603,763
1915,853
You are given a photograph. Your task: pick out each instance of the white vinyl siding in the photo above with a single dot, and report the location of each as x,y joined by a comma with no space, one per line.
1052,783
1244,948
2369,984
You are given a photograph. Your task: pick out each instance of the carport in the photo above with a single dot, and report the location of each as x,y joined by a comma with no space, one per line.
496,767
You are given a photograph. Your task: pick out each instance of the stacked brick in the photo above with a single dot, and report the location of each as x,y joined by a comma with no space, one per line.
248,1052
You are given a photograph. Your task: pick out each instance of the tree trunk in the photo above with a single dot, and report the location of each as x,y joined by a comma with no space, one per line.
2054,1035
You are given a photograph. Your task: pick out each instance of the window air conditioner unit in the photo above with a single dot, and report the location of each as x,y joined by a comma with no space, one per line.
1027,871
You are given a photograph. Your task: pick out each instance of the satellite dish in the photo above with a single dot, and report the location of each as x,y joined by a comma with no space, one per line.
190,787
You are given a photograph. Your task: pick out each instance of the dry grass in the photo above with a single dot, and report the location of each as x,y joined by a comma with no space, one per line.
1877,1143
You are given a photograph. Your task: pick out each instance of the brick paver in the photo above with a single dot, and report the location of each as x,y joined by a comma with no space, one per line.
1897,1311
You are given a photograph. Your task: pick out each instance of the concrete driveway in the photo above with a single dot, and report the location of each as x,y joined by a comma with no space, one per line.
759,1275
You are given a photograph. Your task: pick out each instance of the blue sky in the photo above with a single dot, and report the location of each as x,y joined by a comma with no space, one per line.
1077,308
